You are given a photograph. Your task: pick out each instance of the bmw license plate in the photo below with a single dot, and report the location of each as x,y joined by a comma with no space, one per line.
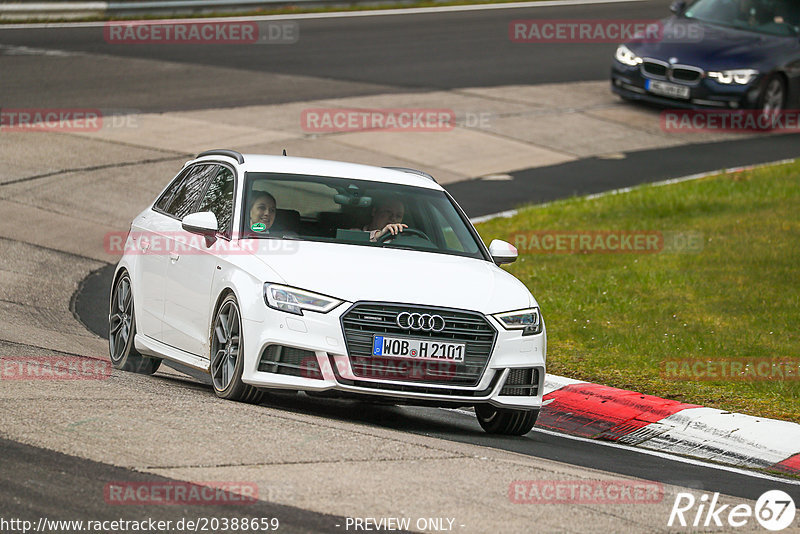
417,349
671,90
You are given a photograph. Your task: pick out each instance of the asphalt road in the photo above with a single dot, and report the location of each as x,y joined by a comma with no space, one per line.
595,175
343,57
50,486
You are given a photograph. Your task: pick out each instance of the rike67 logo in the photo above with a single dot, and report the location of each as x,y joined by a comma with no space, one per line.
774,510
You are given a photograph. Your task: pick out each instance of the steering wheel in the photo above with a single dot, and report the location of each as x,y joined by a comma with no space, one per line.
388,235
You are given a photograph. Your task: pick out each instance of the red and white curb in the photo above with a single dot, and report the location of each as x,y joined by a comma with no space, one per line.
601,412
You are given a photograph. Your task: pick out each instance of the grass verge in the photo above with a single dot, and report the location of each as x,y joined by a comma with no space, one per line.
630,319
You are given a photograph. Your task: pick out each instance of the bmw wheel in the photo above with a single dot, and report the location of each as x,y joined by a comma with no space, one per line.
227,355
773,97
122,330
504,421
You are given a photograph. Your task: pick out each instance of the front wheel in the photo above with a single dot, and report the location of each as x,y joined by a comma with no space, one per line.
227,355
122,331
504,421
773,98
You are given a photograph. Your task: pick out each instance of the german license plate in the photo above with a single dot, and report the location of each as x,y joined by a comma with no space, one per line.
671,90
417,349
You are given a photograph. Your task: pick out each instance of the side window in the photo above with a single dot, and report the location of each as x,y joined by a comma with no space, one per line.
185,199
219,199
162,203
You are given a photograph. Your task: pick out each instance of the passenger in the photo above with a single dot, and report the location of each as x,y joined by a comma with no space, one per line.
387,217
262,211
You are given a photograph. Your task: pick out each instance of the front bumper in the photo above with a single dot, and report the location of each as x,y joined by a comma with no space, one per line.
630,83
315,357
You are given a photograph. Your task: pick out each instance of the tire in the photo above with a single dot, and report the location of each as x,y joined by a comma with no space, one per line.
772,99
227,355
507,422
122,331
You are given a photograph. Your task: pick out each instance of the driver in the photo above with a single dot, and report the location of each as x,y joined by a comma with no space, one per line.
757,12
387,216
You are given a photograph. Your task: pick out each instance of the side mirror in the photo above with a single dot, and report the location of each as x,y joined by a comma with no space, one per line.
203,223
678,7
502,252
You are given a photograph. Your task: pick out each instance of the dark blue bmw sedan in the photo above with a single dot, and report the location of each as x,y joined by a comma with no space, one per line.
716,54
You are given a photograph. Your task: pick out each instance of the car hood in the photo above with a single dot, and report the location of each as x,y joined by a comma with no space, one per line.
354,273
719,47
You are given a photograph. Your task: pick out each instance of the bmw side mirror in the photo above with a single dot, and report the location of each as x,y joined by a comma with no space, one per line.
502,252
678,7
203,223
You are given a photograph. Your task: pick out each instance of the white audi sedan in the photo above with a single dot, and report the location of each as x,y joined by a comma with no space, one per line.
336,279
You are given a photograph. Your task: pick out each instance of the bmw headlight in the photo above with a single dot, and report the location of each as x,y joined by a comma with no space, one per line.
738,76
529,321
293,300
626,57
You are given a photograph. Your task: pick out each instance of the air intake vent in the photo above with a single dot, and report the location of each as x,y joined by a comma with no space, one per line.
290,361
521,383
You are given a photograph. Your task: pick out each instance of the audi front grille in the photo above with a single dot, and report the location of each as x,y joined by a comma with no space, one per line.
366,319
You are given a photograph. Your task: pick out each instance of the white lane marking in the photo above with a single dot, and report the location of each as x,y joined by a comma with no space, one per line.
11,50
496,178
511,213
337,14
664,455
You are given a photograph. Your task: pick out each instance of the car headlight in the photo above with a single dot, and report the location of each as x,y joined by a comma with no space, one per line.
738,76
529,321
626,57
293,300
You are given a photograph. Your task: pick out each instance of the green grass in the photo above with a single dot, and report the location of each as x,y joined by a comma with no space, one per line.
615,318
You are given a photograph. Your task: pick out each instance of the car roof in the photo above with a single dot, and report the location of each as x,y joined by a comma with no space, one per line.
338,169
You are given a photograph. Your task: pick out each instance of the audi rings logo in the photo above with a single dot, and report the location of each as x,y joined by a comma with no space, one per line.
420,321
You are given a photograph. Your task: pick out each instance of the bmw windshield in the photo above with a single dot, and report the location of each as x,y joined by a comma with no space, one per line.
355,212
773,17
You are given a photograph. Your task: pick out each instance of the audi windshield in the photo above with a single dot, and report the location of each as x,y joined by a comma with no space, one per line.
355,212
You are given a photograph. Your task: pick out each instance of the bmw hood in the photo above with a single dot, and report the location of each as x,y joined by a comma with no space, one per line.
712,47
353,273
